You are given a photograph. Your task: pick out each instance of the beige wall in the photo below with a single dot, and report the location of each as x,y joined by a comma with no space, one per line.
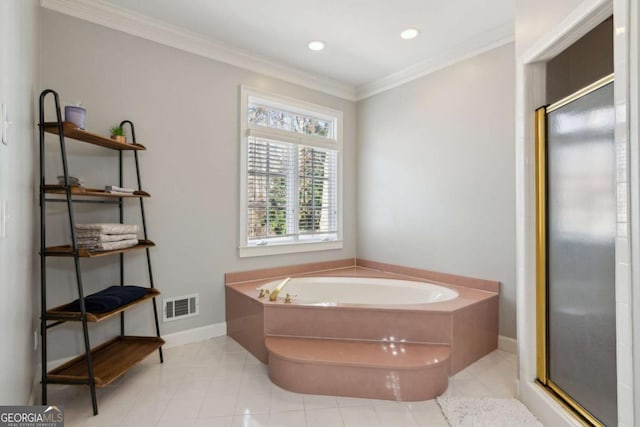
436,174
186,111
18,254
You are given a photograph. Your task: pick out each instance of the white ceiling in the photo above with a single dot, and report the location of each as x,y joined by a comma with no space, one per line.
362,36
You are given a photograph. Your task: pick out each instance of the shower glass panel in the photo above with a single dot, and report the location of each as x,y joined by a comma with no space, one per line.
581,228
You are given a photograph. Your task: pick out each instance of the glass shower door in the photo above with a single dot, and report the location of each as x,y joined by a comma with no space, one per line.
580,253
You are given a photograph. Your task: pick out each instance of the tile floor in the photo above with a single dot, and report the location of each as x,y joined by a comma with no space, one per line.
217,383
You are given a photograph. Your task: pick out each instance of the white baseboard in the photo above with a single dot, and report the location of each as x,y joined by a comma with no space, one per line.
507,344
194,335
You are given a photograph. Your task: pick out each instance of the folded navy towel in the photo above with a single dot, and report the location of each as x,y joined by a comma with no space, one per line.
108,299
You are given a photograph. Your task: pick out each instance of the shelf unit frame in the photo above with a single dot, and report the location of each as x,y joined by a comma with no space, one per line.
140,347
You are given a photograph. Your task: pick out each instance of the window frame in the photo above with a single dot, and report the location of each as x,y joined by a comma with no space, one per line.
334,142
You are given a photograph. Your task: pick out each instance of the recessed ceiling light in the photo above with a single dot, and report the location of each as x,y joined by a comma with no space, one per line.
410,33
316,45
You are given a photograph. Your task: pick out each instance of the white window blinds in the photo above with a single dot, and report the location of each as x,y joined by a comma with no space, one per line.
291,192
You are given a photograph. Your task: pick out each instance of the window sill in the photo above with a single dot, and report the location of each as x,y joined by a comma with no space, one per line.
252,251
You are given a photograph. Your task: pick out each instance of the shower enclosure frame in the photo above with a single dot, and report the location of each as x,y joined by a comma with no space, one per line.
542,330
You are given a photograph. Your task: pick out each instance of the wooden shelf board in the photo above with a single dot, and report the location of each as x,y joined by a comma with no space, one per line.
66,250
58,313
110,360
72,131
90,192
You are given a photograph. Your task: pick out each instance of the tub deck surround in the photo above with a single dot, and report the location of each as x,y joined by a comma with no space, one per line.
466,295
245,322
466,327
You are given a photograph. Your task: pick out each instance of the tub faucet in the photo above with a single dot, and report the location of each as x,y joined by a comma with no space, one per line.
274,293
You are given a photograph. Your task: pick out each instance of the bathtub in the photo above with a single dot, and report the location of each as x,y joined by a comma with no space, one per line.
328,291
364,304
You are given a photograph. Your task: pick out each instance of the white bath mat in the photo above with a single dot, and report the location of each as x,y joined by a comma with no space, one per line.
481,412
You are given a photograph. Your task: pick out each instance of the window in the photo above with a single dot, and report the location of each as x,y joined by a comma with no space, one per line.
290,175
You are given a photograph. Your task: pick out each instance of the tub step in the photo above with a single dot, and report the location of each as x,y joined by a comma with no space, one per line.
375,370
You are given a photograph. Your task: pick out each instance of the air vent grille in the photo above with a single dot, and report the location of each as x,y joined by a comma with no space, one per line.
180,307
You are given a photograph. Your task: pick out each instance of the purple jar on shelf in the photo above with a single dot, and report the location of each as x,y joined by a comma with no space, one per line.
75,115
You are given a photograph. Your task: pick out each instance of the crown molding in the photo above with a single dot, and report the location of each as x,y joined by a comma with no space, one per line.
499,36
119,19
142,26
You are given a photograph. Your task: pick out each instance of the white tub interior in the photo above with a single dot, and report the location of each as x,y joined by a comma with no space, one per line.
361,290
